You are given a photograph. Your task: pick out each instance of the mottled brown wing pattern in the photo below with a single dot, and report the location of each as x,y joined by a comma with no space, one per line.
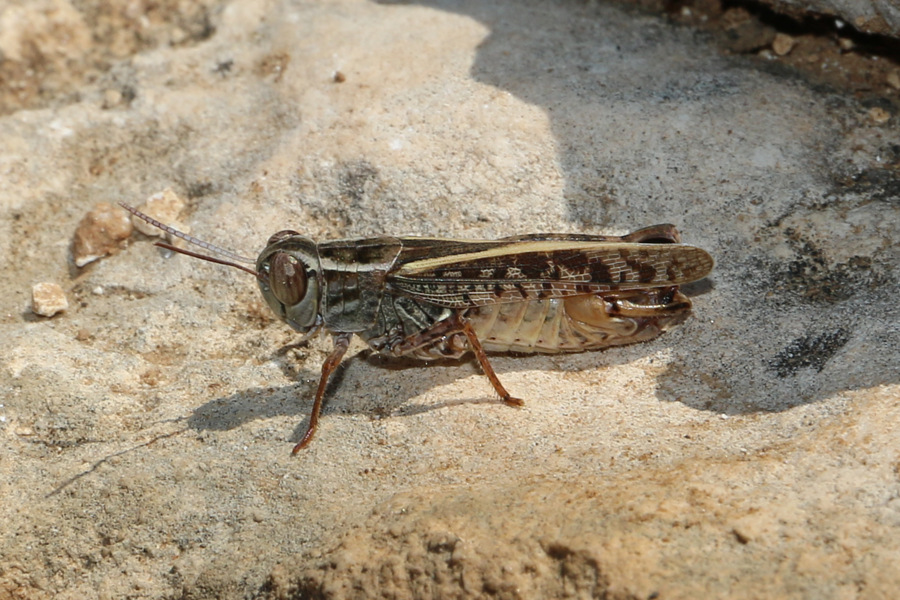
514,271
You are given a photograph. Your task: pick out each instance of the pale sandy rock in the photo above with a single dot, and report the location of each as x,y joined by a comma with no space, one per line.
48,299
145,438
53,28
647,535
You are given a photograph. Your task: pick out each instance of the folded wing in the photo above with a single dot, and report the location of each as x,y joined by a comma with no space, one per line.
460,274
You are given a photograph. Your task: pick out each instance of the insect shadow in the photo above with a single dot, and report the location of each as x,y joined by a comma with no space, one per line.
380,386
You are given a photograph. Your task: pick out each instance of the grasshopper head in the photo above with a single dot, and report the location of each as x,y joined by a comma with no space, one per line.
289,279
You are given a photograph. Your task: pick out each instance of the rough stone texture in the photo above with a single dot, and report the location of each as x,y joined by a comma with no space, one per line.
735,531
753,452
881,17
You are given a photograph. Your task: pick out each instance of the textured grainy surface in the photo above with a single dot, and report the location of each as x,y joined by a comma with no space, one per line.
880,17
146,431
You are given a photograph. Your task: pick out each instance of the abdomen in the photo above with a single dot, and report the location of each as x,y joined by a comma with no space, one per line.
579,323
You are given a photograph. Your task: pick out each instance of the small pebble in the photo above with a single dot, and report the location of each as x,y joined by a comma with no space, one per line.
99,233
111,98
879,115
893,79
163,206
47,299
783,44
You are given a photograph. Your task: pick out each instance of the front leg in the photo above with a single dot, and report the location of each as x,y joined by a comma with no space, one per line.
341,343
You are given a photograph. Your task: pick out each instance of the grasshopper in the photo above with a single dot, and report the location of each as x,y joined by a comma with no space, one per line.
433,298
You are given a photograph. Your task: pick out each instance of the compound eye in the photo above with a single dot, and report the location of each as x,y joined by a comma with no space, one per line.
281,235
287,278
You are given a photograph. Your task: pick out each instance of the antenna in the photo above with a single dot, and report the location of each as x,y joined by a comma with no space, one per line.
197,242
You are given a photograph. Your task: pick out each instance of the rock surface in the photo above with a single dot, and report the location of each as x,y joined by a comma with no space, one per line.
879,17
752,452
